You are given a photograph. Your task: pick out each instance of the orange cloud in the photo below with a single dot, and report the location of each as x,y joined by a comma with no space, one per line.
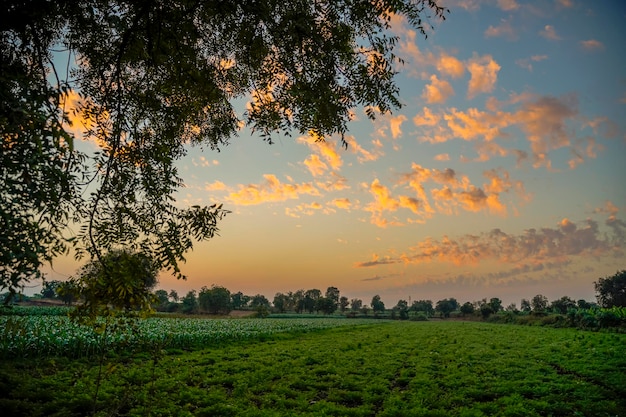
342,203
395,125
215,186
316,166
484,74
442,157
384,202
508,5
437,91
271,190
335,182
449,65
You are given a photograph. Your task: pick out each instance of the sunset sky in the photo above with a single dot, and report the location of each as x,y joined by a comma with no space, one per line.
502,176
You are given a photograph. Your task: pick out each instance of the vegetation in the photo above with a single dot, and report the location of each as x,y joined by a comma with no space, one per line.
612,290
443,368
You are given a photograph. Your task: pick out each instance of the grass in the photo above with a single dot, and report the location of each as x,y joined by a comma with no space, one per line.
380,369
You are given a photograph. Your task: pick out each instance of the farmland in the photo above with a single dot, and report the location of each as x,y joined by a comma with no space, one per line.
323,367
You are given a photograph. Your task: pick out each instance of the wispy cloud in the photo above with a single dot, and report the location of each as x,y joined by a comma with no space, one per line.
504,29
592,45
561,243
549,32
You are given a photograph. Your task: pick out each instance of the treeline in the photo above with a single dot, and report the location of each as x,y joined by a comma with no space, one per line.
610,311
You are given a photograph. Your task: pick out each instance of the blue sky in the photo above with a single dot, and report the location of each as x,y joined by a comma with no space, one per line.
501,176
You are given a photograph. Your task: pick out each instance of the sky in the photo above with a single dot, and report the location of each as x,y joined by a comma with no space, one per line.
501,176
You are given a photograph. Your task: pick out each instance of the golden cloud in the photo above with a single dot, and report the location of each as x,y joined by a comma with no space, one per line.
437,91
271,190
484,75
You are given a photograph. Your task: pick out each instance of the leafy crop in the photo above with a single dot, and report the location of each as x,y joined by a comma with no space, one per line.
383,369
39,335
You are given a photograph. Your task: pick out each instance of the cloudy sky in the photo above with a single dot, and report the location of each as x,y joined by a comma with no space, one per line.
502,176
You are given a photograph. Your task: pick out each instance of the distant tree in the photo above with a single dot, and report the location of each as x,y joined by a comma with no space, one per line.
343,303
281,302
215,300
325,305
611,291
365,309
512,308
583,304
356,304
50,288
446,306
467,308
333,294
539,303
161,299
402,308
486,310
562,305
189,303
298,301
239,300
68,292
173,295
495,304
310,299
525,305
259,300
377,305
425,306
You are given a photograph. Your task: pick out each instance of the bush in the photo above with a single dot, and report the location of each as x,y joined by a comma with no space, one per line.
421,316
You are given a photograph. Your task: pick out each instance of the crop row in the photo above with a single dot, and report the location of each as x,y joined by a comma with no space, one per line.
30,336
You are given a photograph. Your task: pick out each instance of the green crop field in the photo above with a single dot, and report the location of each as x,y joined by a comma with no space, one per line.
316,368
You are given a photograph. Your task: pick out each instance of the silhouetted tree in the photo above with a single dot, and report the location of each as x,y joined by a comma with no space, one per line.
467,308
446,306
377,305
562,305
425,306
356,304
343,304
215,300
539,303
611,291
154,77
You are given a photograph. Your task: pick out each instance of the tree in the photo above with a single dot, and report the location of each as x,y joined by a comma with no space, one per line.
259,300
68,292
495,304
377,305
562,305
280,302
239,300
467,308
402,308
356,304
173,295
50,289
425,306
326,305
611,291
161,299
121,282
310,299
525,305
145,80
446,306
539,303
189,303
215,300
343,304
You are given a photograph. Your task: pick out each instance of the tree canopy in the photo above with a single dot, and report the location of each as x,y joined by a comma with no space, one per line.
143,80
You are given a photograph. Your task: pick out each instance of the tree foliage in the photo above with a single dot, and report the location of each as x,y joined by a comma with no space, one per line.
215,300
145,79
121,282
611,291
